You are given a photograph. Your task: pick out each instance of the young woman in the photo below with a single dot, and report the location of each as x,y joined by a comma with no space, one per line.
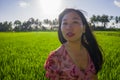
79,57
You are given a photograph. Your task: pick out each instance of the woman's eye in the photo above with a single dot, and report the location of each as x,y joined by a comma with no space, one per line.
64,23
76,22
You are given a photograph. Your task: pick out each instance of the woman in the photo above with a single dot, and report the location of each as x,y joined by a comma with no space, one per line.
79,57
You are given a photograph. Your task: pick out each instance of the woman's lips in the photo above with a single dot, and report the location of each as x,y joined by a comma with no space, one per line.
70,34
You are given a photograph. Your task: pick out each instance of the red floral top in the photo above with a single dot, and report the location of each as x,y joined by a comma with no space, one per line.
59,66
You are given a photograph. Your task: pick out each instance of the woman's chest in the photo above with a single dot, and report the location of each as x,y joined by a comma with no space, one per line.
69,69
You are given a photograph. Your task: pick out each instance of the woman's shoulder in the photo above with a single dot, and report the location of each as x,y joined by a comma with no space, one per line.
58,51
52,64
54,57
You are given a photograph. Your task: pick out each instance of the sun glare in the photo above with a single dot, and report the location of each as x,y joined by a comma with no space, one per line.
50,8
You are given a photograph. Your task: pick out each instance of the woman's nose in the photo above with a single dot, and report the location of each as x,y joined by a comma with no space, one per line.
69,26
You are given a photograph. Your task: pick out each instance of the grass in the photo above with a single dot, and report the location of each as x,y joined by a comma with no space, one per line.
22,55
110,43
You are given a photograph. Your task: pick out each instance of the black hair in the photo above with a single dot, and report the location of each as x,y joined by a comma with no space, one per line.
92,46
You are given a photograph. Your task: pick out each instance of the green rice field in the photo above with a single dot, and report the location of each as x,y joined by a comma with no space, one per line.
22,54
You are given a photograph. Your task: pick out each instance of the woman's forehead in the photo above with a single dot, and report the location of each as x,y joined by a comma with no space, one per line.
71,15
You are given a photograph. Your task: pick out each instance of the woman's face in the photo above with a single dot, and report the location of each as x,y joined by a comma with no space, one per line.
72,26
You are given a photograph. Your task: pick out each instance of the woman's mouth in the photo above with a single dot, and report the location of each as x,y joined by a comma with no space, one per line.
70,34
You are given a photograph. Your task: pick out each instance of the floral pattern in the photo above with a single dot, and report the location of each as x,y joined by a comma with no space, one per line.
59,66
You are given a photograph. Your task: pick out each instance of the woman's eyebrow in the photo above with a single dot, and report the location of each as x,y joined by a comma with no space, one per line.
64,20
74,18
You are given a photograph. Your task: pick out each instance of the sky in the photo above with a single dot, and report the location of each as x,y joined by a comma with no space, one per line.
11,10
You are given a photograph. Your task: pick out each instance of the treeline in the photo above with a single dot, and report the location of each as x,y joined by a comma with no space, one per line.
97,22
30,25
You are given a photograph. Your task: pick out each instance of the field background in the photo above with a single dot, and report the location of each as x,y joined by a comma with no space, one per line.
22,54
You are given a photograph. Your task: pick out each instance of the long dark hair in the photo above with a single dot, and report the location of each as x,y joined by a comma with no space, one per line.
91,45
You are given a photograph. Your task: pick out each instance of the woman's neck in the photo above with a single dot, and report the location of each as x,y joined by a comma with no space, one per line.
74,45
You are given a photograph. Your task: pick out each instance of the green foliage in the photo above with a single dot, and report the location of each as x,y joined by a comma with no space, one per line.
22,55
110,43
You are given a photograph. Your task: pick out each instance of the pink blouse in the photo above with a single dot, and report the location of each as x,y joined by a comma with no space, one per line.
59,66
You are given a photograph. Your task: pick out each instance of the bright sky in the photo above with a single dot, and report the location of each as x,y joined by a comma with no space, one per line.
11,10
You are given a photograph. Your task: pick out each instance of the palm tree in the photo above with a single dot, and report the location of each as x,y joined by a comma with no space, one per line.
98,19
38,24
18,25
104,20
119,19
10,26
116,19
111,17
93,21
46,21
55,23
31,20
7,26
0,26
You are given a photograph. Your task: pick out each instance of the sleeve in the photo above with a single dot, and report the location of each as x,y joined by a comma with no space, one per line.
52,66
